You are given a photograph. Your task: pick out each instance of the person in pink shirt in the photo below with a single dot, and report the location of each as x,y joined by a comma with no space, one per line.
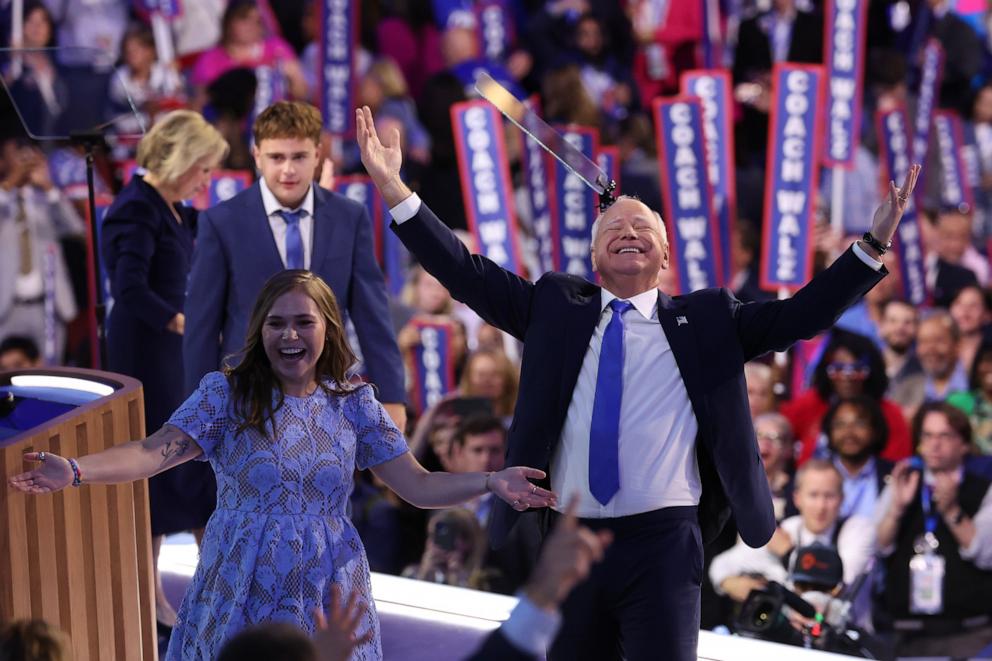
243,44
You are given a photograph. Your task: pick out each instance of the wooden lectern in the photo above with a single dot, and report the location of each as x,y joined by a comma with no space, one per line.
81,559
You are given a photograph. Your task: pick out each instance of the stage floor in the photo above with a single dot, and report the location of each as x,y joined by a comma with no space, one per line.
428,622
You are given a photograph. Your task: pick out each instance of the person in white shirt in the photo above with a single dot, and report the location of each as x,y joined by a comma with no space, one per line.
818,496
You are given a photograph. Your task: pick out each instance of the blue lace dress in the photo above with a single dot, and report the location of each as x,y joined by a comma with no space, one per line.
279,538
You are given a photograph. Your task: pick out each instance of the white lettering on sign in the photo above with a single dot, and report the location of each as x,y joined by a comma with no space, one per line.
951,191
493,32
909,231
430,358
925,101
225,188
843,87
355,192
485,184
791,204
705,88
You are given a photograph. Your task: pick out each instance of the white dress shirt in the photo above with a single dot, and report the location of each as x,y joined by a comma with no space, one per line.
278,223
658,428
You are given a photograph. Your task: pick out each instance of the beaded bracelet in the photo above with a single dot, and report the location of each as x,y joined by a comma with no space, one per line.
77,476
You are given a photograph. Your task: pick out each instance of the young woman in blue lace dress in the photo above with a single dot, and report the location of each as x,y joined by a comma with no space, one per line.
283,431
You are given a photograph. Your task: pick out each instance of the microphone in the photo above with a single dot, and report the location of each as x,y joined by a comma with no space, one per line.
916,463
793,600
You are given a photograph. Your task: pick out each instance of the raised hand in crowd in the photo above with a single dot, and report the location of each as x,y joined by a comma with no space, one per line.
336,635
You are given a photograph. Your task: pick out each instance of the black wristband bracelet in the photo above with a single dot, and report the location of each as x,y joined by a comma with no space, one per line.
875,243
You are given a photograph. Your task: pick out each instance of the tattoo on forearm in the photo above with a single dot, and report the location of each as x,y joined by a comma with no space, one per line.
174,449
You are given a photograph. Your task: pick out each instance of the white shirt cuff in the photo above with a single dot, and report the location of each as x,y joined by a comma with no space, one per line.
529,628
864,257
406,209
53,195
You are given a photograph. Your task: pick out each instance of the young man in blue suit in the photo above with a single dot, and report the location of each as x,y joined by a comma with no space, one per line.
634,400
286,221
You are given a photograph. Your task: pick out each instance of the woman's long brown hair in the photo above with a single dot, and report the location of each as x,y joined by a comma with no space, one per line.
252,379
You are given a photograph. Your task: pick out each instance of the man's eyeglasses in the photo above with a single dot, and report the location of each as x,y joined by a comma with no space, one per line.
848,369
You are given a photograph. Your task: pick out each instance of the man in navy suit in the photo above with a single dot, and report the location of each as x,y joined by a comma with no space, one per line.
635,401
285,221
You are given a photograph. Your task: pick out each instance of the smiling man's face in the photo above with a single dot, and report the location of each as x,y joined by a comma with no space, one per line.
629,248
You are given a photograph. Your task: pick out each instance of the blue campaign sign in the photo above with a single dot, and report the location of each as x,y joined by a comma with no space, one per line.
793,172
432,364
486,185
689,213
955,187
271,87
225,184
573,207
844,36
494,21
926,102
536,175
895,143
712,87
389,252
608,160
167,8
339,23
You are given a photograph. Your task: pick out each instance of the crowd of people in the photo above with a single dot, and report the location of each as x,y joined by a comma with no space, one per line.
875,436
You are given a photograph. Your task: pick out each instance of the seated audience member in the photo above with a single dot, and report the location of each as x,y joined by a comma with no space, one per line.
851,365
243,44
937,347
421,295
898,330
479,443
774,434
19,353
760,388
490,374
142,80
856,435
818,497
33,640
951,266
970,311
976,402
455,551
935,534
430,441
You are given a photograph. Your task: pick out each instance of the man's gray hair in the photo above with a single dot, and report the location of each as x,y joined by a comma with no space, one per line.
596,223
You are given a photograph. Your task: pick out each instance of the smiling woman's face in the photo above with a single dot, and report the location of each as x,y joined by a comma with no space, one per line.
293,337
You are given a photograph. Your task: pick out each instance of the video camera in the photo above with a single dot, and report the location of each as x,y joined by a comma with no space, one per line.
816,570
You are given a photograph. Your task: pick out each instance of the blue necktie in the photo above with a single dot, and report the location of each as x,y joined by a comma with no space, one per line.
294,240
604,433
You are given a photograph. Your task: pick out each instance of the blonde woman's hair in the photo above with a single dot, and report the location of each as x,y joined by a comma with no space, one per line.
177,142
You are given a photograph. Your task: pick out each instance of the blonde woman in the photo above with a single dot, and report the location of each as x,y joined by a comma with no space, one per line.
147,246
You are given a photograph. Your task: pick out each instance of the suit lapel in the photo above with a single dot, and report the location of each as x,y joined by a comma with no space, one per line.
323,230
579,328
678,327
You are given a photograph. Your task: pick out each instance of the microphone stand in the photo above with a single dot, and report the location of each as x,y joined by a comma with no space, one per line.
88,139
